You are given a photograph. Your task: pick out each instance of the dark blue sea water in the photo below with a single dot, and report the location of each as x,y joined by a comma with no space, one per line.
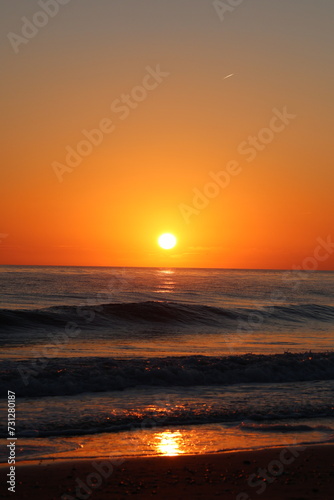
135,361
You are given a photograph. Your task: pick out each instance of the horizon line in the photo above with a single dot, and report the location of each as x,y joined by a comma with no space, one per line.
175,267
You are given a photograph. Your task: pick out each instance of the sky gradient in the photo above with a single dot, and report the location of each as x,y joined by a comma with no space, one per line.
180,95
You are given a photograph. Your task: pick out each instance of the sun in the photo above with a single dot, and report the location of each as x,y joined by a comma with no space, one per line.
167,241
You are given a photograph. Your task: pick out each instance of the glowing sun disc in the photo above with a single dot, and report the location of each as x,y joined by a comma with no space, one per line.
167,241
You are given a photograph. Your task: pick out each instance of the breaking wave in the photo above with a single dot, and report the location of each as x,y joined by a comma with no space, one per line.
160,312
58,376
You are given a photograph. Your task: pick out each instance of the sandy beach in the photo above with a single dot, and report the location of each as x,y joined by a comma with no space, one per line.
298,473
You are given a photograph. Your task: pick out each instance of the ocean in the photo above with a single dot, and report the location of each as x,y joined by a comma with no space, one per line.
147,361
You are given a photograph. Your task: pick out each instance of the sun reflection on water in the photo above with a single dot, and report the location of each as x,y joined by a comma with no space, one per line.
166,271
166,281
168,443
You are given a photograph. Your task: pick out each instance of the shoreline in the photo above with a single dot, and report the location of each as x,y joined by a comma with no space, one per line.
60,459
280,473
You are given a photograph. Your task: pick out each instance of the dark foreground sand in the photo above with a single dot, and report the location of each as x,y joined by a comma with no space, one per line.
301,474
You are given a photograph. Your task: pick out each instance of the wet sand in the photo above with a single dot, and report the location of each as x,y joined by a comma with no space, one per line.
295,473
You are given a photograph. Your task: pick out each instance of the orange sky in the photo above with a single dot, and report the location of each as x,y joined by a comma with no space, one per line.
175,130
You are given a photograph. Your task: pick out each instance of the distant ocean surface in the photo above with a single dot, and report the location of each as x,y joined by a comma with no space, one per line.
147,361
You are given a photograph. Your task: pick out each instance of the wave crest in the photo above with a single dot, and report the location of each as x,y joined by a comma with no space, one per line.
57,376
160,312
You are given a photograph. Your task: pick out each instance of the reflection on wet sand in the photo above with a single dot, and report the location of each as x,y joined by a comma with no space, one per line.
169,443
